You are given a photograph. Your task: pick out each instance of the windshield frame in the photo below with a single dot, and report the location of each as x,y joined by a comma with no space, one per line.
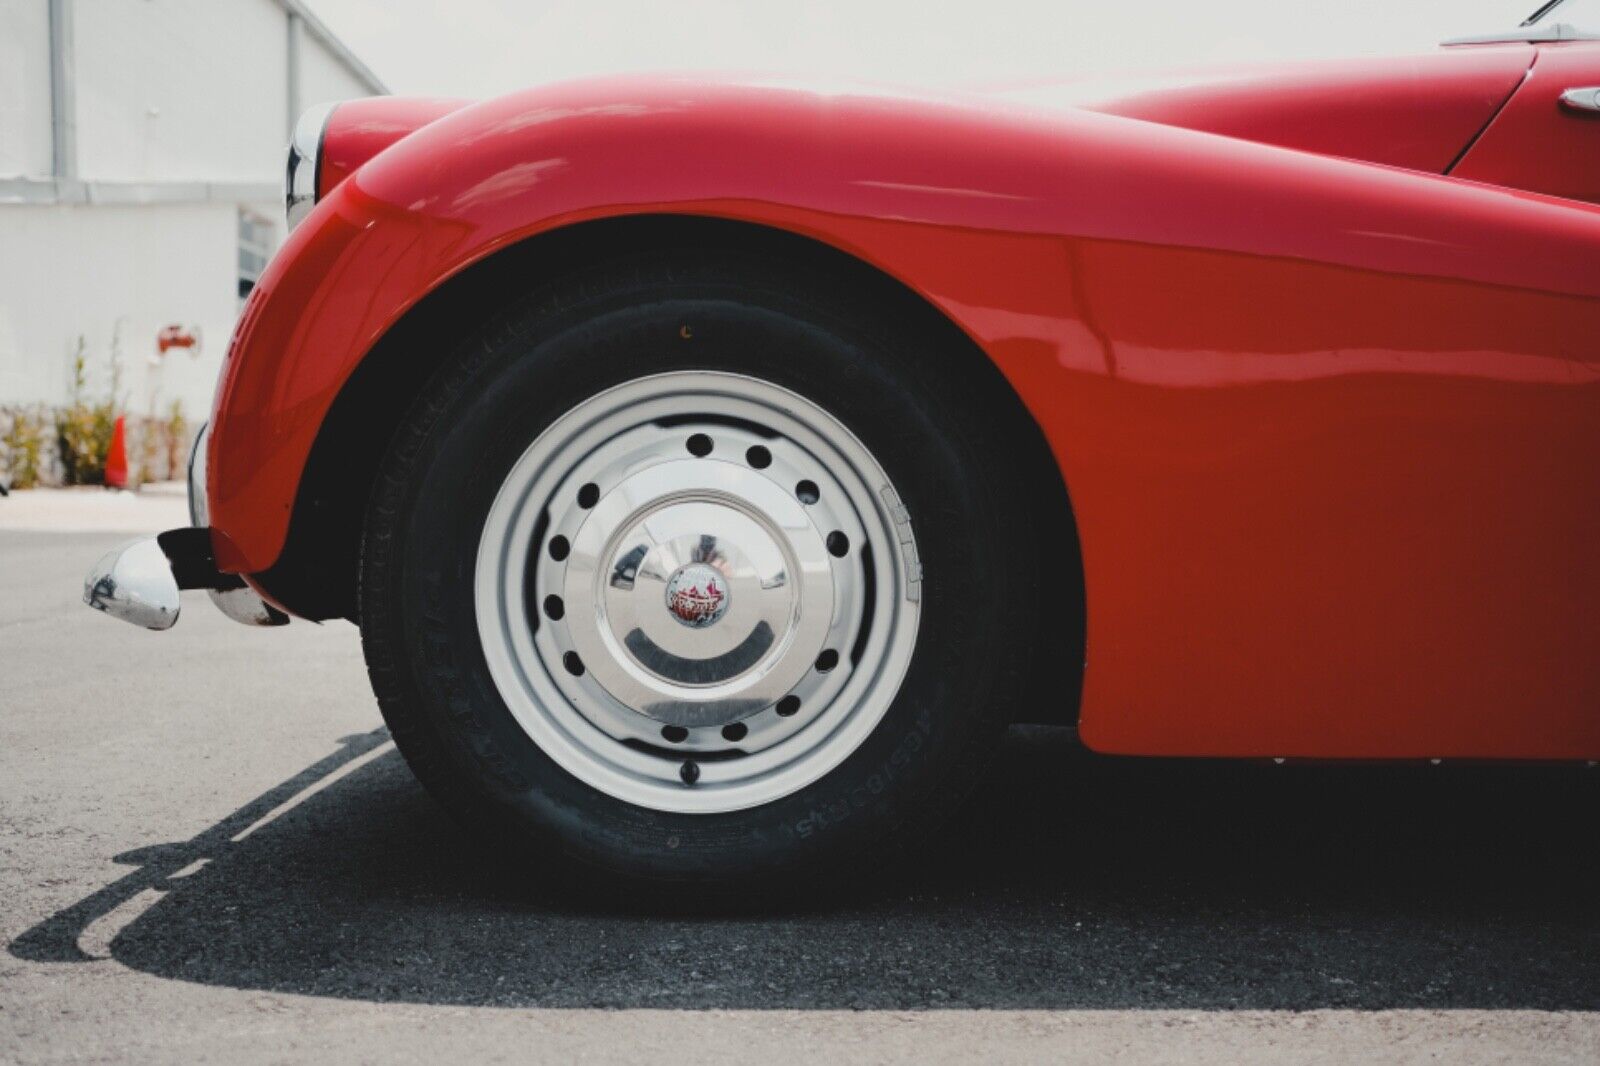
1544,9
1537,28
1579,16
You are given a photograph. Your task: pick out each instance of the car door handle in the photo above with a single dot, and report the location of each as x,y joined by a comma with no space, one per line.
1582,99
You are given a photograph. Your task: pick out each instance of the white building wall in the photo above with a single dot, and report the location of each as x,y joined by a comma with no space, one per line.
323,77
25,149
115,275
181,90
170,94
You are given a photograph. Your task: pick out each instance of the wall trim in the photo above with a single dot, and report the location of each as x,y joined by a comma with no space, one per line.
73,191
292,56
63,92
325,37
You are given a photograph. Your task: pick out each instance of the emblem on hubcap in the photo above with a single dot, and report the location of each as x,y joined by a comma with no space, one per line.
697,595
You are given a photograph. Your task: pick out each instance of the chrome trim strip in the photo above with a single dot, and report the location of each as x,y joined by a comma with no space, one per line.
199,514
1558,31
304,164
1586,99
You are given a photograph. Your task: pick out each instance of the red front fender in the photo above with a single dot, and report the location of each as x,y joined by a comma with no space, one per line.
1296,399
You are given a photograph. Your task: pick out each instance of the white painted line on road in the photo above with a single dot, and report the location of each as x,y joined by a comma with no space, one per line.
300,797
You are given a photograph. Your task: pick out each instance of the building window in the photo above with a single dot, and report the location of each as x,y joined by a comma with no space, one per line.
255,247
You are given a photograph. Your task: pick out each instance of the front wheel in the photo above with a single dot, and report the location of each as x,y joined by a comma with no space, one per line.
698,575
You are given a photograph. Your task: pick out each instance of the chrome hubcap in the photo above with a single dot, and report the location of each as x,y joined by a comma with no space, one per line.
697,592
686,583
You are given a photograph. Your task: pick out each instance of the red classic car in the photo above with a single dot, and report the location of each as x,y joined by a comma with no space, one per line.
715,468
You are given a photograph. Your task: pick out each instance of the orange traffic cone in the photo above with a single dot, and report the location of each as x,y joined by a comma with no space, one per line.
117,457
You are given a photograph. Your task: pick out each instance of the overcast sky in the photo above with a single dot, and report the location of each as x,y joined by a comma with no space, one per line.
485,47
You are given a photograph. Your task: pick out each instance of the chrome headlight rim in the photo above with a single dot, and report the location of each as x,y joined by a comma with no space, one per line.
303,170
199,512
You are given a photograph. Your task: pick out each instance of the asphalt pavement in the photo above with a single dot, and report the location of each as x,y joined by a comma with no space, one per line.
210,850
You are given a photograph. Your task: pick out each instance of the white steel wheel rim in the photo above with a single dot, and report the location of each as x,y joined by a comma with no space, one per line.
697,631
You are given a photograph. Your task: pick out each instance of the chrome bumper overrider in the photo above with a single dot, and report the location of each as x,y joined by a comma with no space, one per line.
139,582
134,583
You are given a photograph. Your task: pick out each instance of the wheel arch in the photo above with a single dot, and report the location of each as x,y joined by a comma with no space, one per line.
315,575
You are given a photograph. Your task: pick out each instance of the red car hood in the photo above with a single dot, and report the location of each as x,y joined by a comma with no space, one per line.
1419,112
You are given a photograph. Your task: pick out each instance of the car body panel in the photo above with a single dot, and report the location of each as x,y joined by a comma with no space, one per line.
1418,112
360,129
1535,142
1358,525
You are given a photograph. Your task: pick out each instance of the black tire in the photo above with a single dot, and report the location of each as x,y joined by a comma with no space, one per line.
926,409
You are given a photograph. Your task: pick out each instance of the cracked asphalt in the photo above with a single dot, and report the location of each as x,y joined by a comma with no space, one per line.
210,850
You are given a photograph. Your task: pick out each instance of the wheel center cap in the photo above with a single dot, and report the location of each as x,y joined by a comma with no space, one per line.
697,595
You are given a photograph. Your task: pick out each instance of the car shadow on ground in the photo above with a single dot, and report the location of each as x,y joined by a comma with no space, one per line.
1074,882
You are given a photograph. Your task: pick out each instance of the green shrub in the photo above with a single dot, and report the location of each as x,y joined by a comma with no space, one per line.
177,432
23,446
83,429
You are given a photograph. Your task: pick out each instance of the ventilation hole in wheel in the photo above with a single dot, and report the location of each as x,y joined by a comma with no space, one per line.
554,608
699,445
573,664
559,548
838,544
734,732
825,662
758,457
808,492
589,495
788,705
674,734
